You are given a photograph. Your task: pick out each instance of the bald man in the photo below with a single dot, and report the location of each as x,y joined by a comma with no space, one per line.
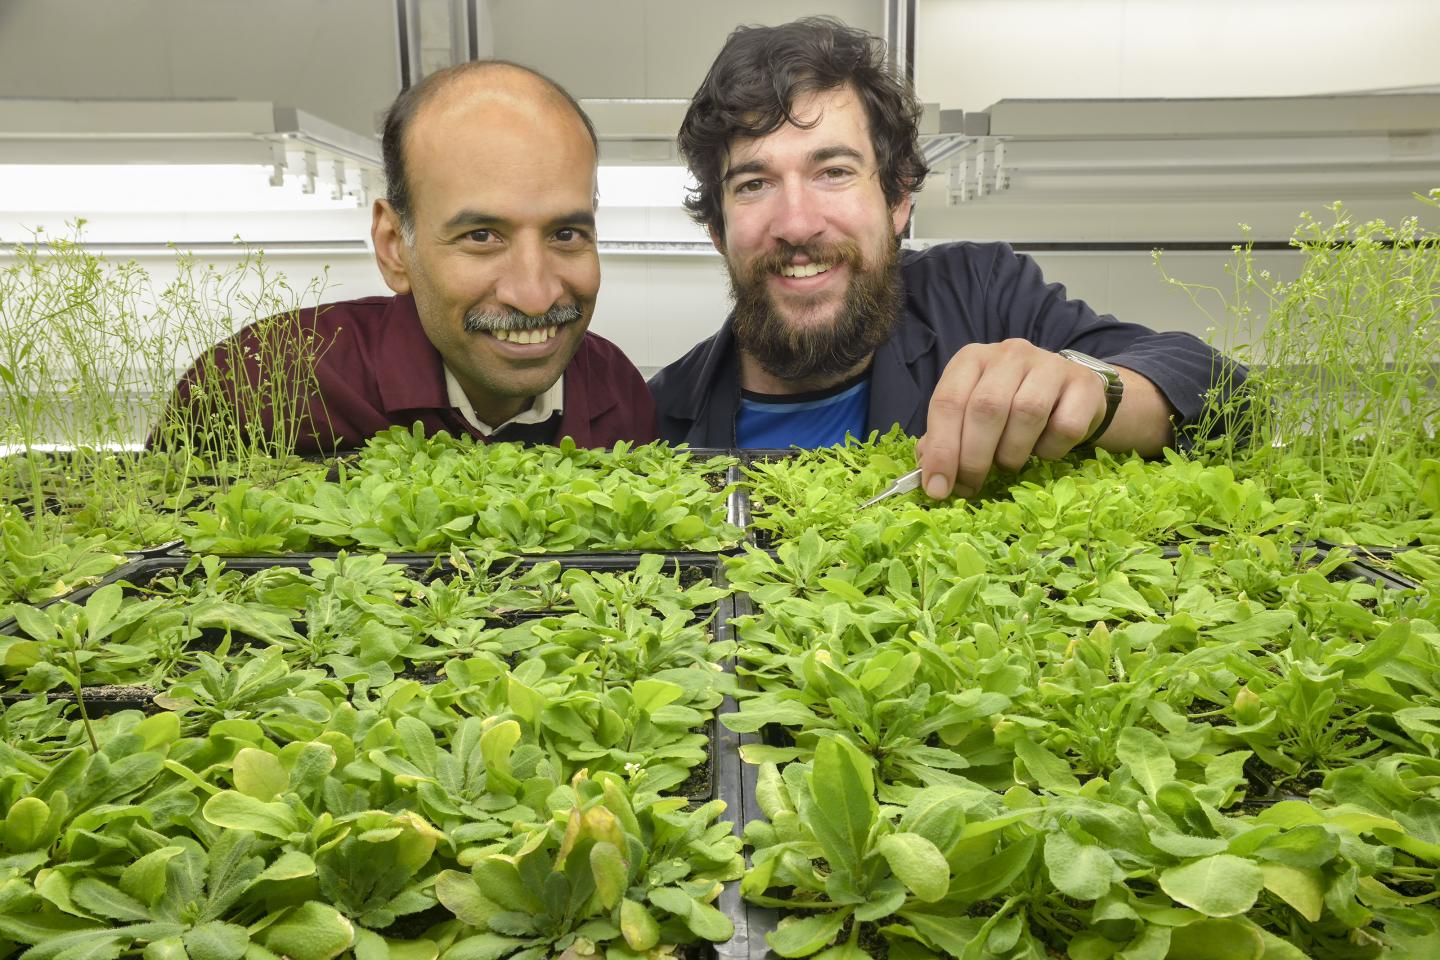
487,237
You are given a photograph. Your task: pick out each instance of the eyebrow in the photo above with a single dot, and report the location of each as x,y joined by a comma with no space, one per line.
477,218
814,158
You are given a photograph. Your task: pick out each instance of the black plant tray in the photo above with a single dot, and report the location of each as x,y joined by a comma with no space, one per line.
99,701
755,921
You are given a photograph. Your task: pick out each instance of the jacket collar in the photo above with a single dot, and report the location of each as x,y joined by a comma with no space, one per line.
895,394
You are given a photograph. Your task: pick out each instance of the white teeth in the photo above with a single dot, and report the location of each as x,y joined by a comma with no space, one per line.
526,336
808,270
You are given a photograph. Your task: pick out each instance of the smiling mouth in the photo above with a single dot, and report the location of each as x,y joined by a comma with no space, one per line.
805,270
536,335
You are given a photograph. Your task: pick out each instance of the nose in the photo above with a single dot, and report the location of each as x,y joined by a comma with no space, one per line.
528,279
799,218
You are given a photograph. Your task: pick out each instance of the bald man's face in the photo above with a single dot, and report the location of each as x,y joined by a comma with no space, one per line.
504,266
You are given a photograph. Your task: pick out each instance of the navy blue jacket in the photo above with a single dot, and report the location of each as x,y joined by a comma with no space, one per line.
954,294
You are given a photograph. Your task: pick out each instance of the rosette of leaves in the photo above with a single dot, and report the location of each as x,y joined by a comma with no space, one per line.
623,645
876,704
647,587
1147,863
176,900
416,494
912,875
290,703
38,726
652,726
106,640
38,560
372,866
248,520
59,809
610,873
476,786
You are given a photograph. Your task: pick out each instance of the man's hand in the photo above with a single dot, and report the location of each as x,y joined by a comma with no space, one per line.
1001,403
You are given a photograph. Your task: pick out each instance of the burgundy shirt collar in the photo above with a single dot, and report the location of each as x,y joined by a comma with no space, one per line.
403,386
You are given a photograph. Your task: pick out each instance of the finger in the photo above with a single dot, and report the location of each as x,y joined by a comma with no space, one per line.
1030,412
1077,411
939,456
985,418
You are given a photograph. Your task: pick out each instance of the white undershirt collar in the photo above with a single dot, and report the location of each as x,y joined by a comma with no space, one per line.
542,408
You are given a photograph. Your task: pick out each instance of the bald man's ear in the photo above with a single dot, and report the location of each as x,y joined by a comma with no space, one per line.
392,253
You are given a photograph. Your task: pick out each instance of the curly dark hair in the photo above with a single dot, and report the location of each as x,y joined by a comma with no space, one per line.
408,103
754,83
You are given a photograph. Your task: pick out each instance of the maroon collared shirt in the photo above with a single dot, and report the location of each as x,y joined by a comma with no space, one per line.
378,369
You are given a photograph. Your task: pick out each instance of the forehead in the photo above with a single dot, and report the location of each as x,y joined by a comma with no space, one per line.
824,118
513,153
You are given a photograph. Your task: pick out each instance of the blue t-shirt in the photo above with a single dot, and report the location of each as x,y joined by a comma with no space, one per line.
820,419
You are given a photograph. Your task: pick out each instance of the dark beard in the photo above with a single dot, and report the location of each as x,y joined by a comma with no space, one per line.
816,356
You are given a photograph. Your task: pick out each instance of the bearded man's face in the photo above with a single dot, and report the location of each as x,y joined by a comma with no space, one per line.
810,242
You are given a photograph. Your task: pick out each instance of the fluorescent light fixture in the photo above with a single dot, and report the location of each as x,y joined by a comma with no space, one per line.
86,189
643,186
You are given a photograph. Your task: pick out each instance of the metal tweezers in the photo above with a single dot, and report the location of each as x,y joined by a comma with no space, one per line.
911,481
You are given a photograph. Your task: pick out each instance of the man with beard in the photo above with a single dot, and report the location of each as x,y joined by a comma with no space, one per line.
487,237
806,155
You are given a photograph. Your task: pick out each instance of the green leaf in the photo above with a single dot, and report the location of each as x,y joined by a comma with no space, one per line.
166,948
217,941
1049,771
651,694
1216,939
1302,889
101,899
258,774
237,811
145,878
290,865
845,809
1219,886
458,893
844,951
26,825
312,931
496,746
800,937
938,815
1145,754
638,926
917,863
483,946
1079,870
611,876
100,609
500,883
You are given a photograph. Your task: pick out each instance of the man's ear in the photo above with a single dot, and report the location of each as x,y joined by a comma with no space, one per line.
717,239
900,214
391,250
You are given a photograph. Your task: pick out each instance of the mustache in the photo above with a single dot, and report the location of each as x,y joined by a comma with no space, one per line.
847,252
488,321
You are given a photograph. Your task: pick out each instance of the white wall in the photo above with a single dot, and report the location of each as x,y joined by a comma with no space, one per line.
337,59
971,53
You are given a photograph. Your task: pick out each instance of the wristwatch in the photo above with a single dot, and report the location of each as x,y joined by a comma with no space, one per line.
1114,388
